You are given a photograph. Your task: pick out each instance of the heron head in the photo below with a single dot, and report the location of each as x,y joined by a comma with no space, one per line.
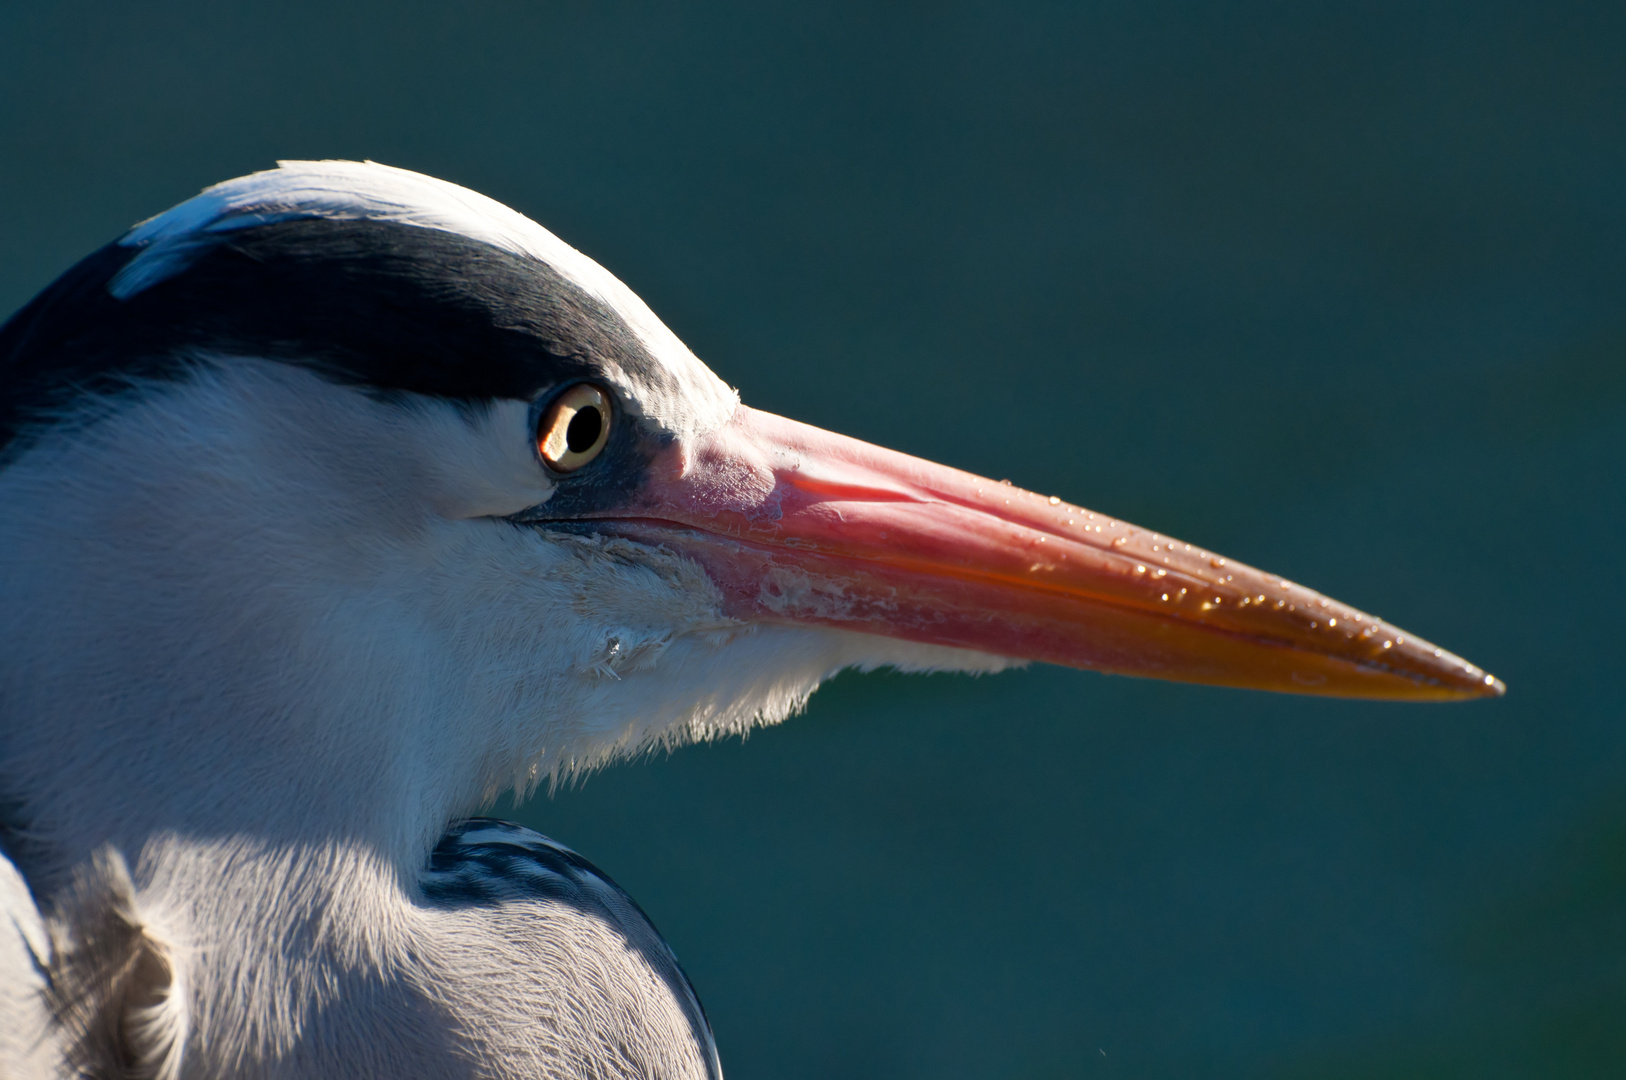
365,463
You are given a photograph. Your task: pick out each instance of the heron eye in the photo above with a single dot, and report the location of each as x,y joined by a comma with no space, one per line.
574,428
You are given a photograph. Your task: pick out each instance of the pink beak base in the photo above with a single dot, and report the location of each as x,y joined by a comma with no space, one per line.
796,524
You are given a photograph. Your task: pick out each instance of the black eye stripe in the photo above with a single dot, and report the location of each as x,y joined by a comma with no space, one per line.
380,305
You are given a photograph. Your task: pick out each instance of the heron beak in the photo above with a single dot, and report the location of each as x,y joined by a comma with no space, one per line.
796,524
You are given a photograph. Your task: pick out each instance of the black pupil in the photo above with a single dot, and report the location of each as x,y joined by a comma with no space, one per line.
584,429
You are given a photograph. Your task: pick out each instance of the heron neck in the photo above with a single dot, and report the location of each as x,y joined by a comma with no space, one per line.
216,707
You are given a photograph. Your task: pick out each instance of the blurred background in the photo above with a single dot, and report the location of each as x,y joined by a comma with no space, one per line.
1336,290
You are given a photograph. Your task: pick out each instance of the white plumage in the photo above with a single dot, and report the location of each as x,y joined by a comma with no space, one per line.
288,590
266,636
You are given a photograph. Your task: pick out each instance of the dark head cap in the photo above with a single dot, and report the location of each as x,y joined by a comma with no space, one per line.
373,276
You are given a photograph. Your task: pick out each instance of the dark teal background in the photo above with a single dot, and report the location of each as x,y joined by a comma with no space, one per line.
1336,290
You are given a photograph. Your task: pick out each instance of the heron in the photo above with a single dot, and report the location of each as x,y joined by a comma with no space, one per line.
338,501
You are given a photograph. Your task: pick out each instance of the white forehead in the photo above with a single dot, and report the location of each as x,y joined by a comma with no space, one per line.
367,191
